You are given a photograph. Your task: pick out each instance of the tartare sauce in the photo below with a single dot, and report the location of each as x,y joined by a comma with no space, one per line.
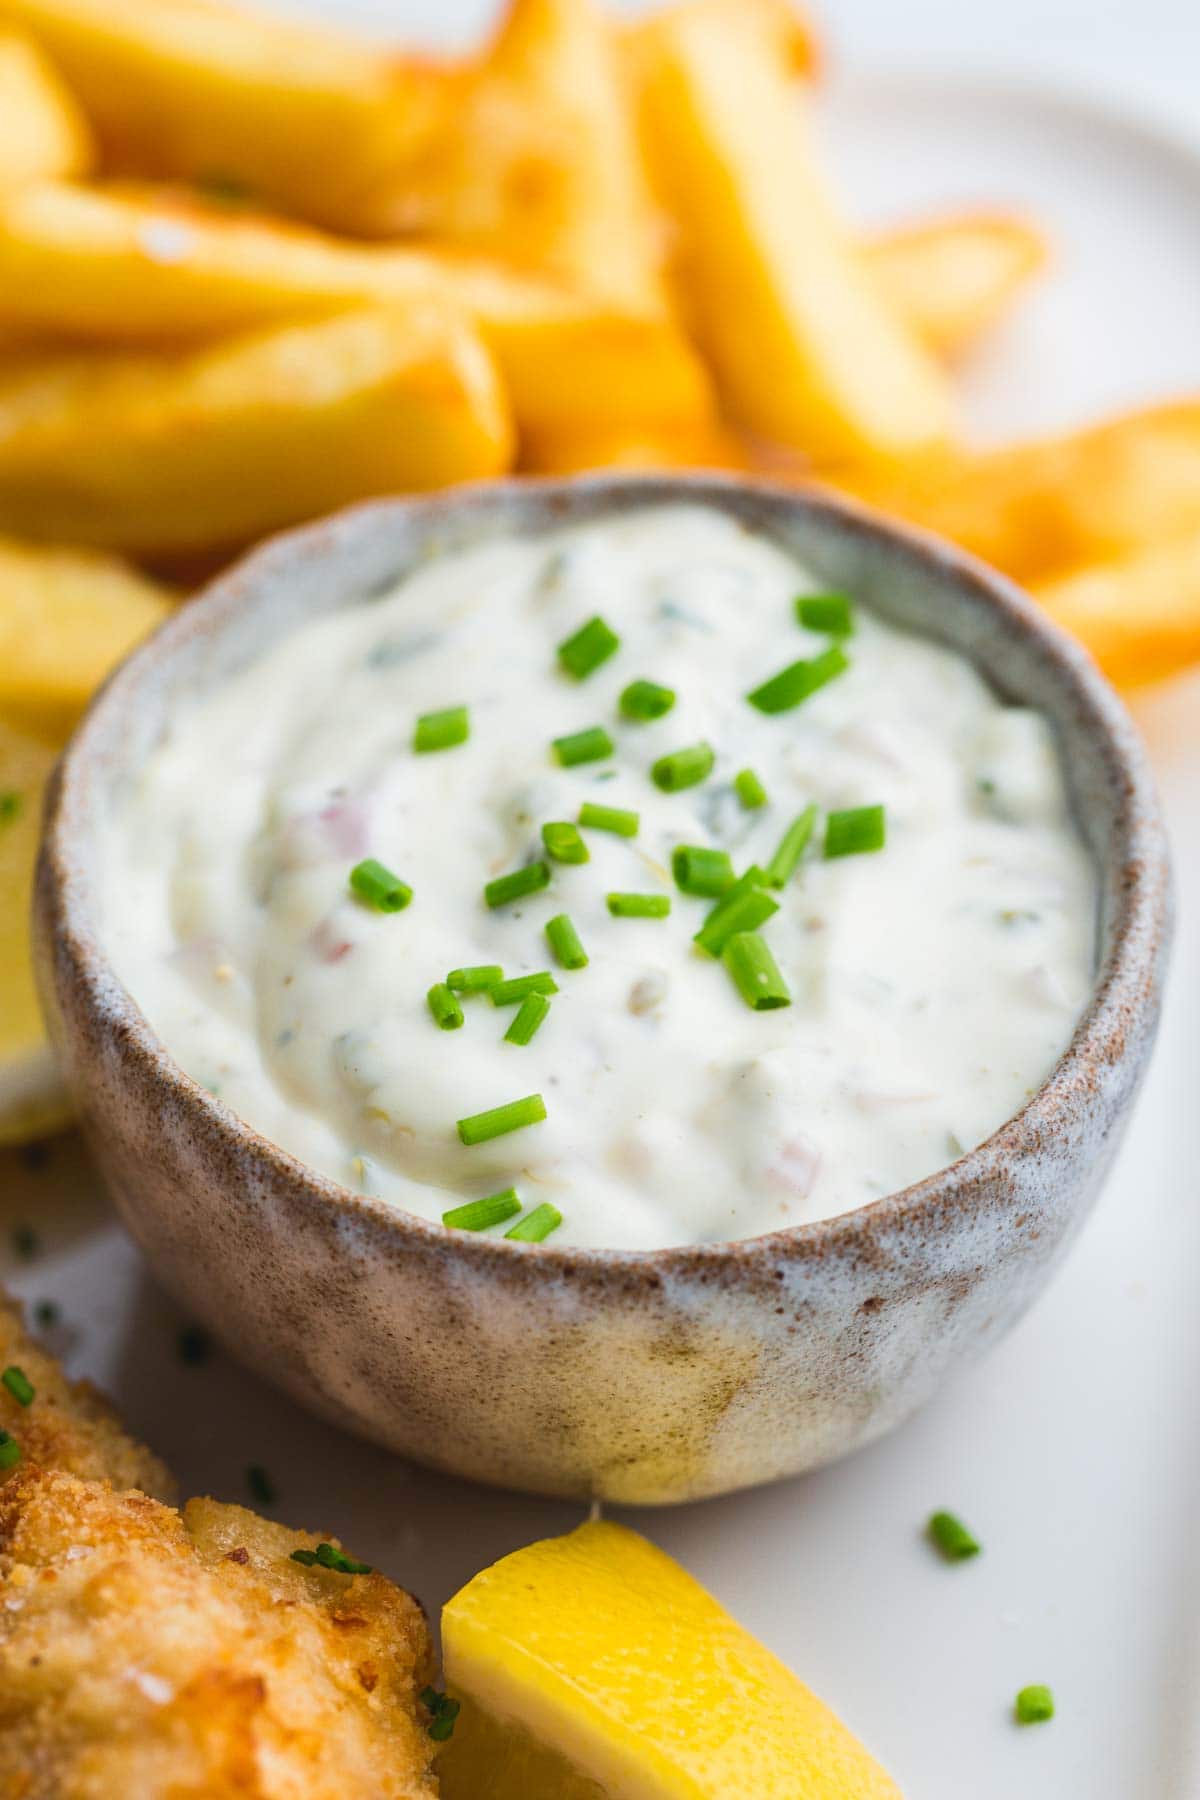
930,984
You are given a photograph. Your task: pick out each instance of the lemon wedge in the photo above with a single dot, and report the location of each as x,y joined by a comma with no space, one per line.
591,1667
32,1100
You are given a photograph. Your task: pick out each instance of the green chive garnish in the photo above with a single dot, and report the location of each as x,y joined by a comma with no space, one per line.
447,1013
563,842
831,613
444,1711
949,1535
609,818
528,1017
1034,1705
792,846
379,887
481,1215
326,1556
499,1120
755,972
798,681
682,768
10,1451
851,833
442,730
46,1314
706,873
587,648
507,993
639,906
564,941
10,806
193,1345
750,790
18,1384
645,700
476,979
743,907
529,880
591,745
536,1225
260,1485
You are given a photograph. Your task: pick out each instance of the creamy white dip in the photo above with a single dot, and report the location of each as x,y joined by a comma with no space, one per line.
933,983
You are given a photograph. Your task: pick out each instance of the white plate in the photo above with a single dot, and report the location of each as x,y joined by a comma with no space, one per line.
1074,1451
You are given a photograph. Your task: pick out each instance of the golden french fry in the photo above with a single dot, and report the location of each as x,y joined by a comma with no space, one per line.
789,31
1139,615
574,452
953,278
167,453
306,118
43,134
805,349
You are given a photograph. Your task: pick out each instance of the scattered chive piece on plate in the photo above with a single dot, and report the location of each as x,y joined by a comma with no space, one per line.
193,1345
702,872
792,846
750,790
481,1215
46,1314
498,1121
592,744
444,1711
609,818
755,972
743,907
379,887
639,906
507,993
682,768
536,1225
798,681
587,648
1034,1705
529,880
10,1451
528,1017
856,831
260,1485
831,613
18,1384
442,730
328,1557
563,842
447,1013
475,979
10,806
949,1535
646,700
565,942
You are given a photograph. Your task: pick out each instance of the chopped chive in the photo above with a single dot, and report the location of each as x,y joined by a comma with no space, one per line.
706,873
682,768
261,1487
327,1556
1034,1705
18,1384
609,818
851,833
379,887
10,1451
639,906
447,1013
565,942
831,613
529,880
475,979
587,648
563,842
46,1314
442,730
590,745
755,972
497,1121
646,700
193,1345
528,1017
949,1535
798,681
743,907
10,806
507,993
536,1225
481,1215
444,1711
750,790
792,846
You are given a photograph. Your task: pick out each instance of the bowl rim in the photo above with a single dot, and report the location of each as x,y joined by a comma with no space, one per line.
1125,984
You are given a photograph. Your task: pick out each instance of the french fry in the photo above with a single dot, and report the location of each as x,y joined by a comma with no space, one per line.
211,448
789,32
306,118
43,134
574,452
1139,615
954,278
805,349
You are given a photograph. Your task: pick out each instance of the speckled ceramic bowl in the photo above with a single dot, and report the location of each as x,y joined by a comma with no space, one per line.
636,1376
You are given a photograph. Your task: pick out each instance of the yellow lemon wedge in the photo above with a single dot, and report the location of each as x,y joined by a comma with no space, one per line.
32,1100
591,1667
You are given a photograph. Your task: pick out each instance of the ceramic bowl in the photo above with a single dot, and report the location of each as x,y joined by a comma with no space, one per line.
634,1376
